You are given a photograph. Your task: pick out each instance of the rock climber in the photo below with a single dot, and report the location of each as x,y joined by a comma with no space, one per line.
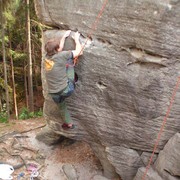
59,73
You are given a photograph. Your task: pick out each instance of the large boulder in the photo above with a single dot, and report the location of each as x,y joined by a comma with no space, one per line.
167,166
127,75
168,161
151,174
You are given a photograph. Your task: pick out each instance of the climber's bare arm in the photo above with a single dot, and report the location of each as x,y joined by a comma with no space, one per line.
78,50
61,45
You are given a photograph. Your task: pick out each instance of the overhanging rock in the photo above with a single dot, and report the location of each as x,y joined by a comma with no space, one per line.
126,76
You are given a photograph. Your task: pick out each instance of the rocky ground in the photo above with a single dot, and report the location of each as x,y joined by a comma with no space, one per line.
65,161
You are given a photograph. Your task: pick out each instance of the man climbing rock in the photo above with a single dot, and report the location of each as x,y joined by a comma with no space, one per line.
59,76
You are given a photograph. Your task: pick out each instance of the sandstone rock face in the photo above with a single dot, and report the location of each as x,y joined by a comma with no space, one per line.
126,75
168,161
151,174
167,165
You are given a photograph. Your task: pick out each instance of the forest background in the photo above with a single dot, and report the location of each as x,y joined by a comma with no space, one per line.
20,61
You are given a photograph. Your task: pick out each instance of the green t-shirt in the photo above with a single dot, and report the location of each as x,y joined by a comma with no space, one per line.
55,71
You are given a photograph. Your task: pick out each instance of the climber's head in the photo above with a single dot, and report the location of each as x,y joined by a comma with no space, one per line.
52,47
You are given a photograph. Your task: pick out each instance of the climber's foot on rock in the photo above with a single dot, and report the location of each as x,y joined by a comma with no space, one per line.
67,126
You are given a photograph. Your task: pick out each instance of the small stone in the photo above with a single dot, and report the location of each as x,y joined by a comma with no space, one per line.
70,172
99,177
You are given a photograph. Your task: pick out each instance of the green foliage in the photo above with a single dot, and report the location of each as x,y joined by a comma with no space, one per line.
3,115
9,17
25,114
13,20
17,56
2,85
4,4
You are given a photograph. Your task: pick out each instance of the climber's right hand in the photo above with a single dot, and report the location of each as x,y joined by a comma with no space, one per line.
67,33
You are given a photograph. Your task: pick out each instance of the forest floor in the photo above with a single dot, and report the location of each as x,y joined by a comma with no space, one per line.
30,158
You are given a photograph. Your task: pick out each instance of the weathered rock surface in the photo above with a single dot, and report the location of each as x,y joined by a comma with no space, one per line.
168,161
151,174
127,163
126,77
145,156
167,165
99,177
70,172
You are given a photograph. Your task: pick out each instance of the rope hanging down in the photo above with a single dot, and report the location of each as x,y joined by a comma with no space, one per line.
93,28
162,127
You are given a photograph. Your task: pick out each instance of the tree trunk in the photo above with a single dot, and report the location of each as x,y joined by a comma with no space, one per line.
13,84
34,70
0,105
30,78
4,63
25,85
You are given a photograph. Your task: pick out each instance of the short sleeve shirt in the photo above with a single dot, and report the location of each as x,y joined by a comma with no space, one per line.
55,71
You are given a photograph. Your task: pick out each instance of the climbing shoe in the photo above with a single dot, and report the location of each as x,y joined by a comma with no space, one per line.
66,126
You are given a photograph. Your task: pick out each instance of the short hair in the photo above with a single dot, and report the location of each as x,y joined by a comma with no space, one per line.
51,47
